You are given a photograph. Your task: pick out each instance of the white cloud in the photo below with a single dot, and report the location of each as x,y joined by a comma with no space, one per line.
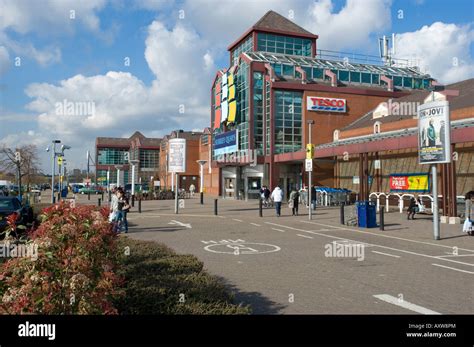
441,49
352,26
4,60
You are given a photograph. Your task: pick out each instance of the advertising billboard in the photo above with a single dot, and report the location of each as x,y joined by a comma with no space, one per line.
410,182
434,142
227,142
177,155
316,103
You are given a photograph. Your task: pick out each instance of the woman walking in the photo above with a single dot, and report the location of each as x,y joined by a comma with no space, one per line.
412,209
294,200
469,213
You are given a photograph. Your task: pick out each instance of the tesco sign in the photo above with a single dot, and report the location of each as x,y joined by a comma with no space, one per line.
316,103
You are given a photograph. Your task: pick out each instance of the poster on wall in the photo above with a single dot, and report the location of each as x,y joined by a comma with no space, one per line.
177,155
226,142
410,183
434,142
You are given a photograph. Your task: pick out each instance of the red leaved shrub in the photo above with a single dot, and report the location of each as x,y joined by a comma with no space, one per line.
74,271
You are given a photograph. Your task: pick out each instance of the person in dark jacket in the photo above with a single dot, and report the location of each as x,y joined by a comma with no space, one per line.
294,198
412,208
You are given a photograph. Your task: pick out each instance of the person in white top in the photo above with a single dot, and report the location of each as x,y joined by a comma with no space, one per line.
192,188
277,196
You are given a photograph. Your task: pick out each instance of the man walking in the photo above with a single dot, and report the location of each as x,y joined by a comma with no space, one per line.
277,197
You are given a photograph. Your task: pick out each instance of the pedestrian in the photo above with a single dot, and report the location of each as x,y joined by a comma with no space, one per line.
277,197
192,188
123,207
313,197
113,208
294,200
412,209
468,212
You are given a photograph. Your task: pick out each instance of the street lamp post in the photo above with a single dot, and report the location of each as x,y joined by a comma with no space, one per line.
310,122
201,182
134,163
53,167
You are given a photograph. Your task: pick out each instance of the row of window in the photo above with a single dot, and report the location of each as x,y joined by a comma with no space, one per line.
149,158
258,111
288,118
350,76
283,44
245,46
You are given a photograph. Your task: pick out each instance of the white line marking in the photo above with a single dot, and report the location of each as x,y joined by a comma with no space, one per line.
187,225
257,225
278,230
237,220
389,255
308,237
381,235
371,244
405,304
453,268
454,255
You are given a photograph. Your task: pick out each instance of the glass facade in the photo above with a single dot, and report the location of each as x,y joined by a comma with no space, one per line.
111,156
149,159
102,176
258,112
245,46
283,44
267,117
243,107
288,118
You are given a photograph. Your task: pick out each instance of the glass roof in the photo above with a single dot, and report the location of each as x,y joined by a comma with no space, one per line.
333,64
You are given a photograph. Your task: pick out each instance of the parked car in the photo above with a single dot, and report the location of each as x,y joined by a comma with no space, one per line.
11,205
91,190
76,187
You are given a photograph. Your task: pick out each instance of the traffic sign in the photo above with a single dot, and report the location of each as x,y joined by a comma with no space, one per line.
309,151
309,165
60,160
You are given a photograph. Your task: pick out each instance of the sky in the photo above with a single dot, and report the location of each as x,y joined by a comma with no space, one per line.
148,65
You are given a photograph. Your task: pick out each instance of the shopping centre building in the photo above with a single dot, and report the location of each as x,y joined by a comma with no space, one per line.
114,154
276,83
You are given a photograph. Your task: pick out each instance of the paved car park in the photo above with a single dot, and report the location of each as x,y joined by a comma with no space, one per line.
293,265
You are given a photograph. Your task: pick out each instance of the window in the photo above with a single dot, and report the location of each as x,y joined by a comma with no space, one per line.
344,76
149,158
365,77
408,82
355,76
375,78
417,83
283,44
288,70
245,46
111,156
258,111
288,106
317,73
397,81
267,118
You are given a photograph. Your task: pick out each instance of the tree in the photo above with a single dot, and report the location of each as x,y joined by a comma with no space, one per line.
21,161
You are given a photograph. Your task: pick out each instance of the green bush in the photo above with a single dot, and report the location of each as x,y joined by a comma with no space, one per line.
156,278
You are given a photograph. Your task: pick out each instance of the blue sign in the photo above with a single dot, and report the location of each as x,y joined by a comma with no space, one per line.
226,143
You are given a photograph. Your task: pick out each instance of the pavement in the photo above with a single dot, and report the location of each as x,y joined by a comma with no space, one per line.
293,265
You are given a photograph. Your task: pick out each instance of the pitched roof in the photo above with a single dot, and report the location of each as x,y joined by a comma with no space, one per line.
275,21
463,100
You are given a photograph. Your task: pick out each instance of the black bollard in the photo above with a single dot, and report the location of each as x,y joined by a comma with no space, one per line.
88,195
382,221
139,205
110,196
260,207
133,200
215,207
202,198
98,202
342,213
102,195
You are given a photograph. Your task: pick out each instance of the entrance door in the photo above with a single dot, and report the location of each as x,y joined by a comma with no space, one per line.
229,186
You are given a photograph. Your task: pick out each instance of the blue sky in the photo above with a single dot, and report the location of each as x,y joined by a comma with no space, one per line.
173,59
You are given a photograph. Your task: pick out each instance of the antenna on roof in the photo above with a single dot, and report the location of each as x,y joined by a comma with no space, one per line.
385,53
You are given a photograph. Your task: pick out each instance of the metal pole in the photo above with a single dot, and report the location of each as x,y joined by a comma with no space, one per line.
310,181
342,214
382,219
53,168
260,209
139,205
201,185
59,183
176,195
133,179
118,178
215,207
434,178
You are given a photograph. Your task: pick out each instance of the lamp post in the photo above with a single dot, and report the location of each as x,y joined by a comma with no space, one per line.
310,122
134,164
118,167
53,167
201,182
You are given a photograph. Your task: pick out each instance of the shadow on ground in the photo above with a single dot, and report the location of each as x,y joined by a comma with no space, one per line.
259,303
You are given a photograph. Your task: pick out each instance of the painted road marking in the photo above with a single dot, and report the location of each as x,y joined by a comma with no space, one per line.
372,244
278,230
237,220
405,304
455,255
389,255
453,268
257,225
187,225
308,237
381,235
242,248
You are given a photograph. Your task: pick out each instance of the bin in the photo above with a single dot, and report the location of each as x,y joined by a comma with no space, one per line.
366,214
